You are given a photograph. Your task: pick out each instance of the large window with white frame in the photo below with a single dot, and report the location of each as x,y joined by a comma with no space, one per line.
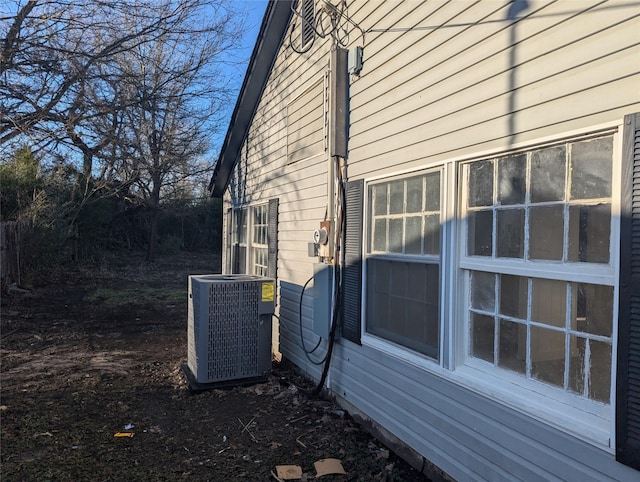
403,262
536,254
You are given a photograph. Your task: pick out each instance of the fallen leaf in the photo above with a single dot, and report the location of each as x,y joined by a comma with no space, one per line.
382,454
275,445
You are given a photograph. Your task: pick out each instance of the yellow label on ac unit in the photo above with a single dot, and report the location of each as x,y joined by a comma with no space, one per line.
268,292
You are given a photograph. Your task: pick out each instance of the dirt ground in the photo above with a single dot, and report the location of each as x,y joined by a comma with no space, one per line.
94,348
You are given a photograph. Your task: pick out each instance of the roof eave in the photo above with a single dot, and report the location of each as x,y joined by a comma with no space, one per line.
270,38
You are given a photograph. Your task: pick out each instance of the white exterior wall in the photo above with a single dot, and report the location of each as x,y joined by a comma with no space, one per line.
443,81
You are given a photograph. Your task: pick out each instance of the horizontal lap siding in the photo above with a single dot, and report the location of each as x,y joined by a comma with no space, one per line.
265,171
430,95
290,330
436,94
430,413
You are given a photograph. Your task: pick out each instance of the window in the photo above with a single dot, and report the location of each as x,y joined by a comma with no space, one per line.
259,248
538,270
239,241
403,262
254,239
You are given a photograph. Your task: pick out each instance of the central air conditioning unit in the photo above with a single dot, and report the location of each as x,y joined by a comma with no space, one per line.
229,327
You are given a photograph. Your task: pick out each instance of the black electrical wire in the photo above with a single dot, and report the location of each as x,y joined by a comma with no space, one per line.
304,348
338,296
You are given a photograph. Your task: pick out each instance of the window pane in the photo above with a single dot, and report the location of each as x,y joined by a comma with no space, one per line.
405,307
592,309
479,236
414,195
590,364
600,371
482,336
396,197
433,191
589,228
395,235
547,355
512,346
548,174
513,296
483,294
380,235
511,179
546,232
379,199
549,302
591,168
413,235
481,184
432,234
577,352
242,225
398,279
510,233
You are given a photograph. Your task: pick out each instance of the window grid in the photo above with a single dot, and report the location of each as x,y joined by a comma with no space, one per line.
567,330
427,213
259,242
566,186
403,281
572,205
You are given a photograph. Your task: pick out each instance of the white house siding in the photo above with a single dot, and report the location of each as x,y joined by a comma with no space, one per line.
441,81
264,172
432,95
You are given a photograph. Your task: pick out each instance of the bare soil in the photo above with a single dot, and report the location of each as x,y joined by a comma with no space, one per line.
89,350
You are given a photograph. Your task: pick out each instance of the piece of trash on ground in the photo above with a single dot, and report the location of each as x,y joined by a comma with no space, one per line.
289,472
129,426
123,434
328,467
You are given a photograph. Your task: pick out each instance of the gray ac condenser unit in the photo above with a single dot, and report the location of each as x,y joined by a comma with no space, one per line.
229,326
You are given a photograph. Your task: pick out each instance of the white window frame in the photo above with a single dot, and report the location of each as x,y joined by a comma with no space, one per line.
256,247
375,341
590,421
249,242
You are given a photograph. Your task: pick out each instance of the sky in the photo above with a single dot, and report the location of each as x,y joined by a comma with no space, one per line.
255,12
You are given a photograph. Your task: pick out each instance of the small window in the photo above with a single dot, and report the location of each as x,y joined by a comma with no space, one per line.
259,244
403,263
249,240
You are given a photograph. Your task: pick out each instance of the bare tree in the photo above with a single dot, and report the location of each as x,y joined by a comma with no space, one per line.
177,93
135,87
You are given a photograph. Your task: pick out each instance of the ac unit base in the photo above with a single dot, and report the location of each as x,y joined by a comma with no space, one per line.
197,387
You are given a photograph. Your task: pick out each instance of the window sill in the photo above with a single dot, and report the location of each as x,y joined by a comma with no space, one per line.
586,420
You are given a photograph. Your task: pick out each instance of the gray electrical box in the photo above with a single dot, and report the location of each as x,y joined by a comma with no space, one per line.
322,289
354,65
229,326
339,103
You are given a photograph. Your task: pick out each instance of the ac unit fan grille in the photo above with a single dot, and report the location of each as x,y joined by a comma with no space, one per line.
233,331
